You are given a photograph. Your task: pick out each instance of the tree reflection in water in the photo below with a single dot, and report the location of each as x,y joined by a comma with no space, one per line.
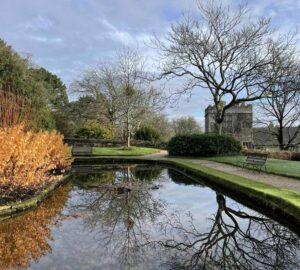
144,228
25,238
123,218
235,240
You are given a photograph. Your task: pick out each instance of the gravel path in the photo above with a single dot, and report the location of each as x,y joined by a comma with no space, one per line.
162,154
274,180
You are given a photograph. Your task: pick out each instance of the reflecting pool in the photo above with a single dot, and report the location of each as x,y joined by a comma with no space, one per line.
143,217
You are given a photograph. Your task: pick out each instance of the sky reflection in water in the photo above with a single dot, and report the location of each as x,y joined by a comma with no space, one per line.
143,217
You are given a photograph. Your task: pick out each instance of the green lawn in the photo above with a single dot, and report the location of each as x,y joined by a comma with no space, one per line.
121,151
274,166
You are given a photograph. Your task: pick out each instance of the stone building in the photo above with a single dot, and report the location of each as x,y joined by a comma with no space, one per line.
238,122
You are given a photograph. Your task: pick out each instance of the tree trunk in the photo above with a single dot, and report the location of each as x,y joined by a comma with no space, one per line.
219,128
280,137
219,117
128,131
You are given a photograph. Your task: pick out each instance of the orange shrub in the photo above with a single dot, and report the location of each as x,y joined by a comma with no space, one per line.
30,160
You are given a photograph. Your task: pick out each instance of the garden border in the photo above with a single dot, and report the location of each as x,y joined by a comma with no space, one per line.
11,209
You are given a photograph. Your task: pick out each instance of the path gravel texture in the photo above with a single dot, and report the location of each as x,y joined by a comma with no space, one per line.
274,180
271,179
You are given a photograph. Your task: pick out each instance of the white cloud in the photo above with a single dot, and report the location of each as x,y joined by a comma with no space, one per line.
47,39
68,36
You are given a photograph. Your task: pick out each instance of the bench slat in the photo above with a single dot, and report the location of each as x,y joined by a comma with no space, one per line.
80,151
256,160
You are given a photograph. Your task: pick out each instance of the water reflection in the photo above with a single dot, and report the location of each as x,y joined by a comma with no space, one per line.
25,238
143,217
235,240
122,211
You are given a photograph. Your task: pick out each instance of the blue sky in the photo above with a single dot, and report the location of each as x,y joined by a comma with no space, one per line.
69,36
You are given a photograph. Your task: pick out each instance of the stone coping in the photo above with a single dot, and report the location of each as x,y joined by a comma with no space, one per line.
11,209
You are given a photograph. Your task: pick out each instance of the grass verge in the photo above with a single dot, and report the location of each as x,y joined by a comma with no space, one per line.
274,166
123,151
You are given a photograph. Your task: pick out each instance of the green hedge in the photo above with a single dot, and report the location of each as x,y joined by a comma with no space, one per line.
145,133
203,145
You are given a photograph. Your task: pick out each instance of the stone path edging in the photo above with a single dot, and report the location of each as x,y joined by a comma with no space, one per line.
11,209
270,179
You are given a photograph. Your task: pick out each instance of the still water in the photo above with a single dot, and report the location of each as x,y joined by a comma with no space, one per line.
143,217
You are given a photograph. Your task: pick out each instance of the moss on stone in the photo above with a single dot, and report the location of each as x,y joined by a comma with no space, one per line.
11,208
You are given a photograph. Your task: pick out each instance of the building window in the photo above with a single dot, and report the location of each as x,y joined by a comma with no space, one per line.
246,125
247,144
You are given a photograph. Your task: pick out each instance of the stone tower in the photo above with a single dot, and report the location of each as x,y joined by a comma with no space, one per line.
238,122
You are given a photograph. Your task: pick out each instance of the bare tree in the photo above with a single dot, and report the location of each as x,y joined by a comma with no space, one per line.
122,89
260,244
280,112
137,95
121,216
186,125
222,51
103,85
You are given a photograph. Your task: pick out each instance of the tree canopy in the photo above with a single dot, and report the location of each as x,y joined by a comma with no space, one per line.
42,90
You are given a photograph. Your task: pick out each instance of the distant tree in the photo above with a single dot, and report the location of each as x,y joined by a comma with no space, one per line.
18,77
13,70
84,109
159,121
122,91
147,133
137,96
56,89
103,85
186,125
92,129
64,122
280,111
221,50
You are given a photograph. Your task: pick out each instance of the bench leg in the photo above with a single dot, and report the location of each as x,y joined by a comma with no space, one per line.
266,168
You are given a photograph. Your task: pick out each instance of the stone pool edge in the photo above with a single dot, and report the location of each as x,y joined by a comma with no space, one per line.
11,209
285,202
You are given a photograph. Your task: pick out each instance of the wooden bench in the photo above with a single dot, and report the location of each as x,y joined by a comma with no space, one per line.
256,161
82,150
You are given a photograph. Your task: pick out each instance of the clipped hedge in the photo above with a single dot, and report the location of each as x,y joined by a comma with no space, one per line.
203,145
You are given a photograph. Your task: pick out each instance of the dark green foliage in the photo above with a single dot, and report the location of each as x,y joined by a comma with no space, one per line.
94,130
55,88
13,69
203,145
181,179
295,156
89,179
147,173
43,90
147,134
